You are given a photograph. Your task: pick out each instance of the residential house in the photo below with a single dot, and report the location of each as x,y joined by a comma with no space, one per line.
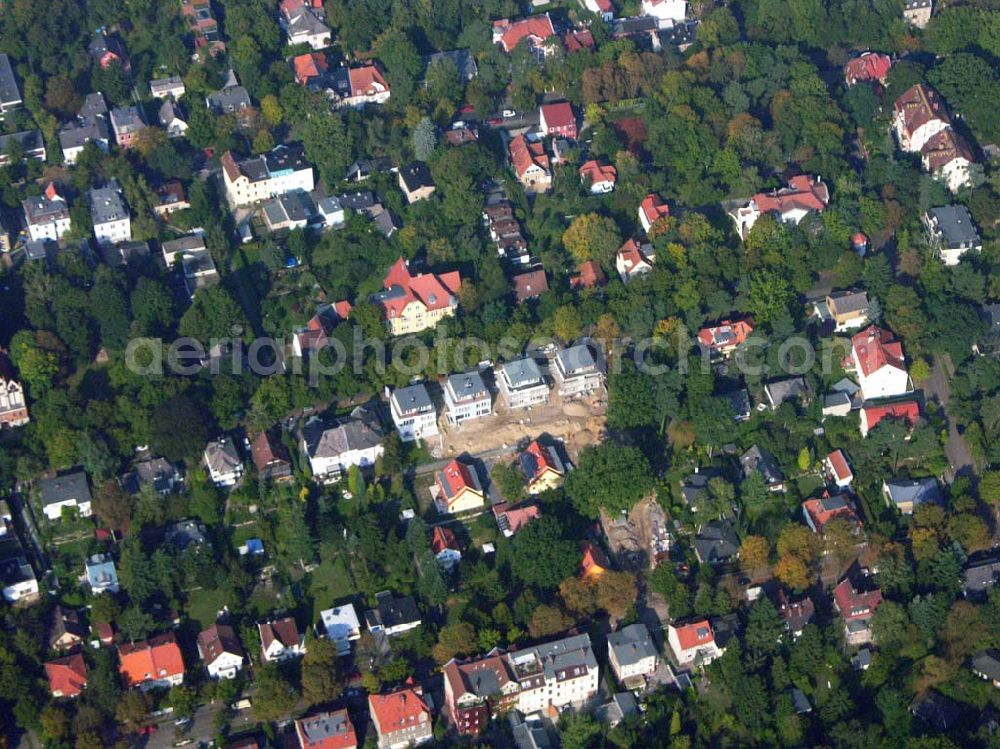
952,231
198,269
533,31
521,383
795,614
352,441
204,27
848,309
174,249
157,473
302,26
937,711
315,336
632,261
819,511
10,91
327,730
594,562
446,547
107,50
622,705
786,389
384,221
837,469
577,370
693,643
760,461
413,413
91,126
652,209
280,640
169,198
856,599
723,339
531,164
552,676
632,655
411,303
221,651
666,12
458,488
172,119
542,467
46,215
18,579
171,87
918,12
112,223
415,181
716,542
598,178
462,59
342,627
13,406
529,285
908,494
739,403
557,119
467,397
67,676
257,179
271,458
64,630
919,115
980,573
102,577
229,100
511,519
880,364
357,87
588,276
907,411
289,211
986,665
126,122
124,253
868,67
152,664
505,231
391,615
331,211
29,142
225,466
185,534
602,8
402,718
947,157
69,491
803,195
695,486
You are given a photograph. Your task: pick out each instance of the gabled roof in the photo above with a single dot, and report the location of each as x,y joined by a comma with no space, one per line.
530,285
456,478
216,641
534,28
654,208
838,463
695,634
919,105
329,730
909,411
593,172
156,658
68,486
631,258
309,65
915,491
576,40
821,510
283,631
632,644
264,450
511,519
987,663
525,155
588,276
432,290
871,66
536,459
594,561
875,348
67,676
856,596
944,147
558,114
804,192
367,81
716,542
444,538
726,334
398,711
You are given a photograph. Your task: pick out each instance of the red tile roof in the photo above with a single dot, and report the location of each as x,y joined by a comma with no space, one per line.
595,561
632,256
330,730
284,631
217,640
919,105
67,676
432,290
653,208
588,275
558,115
399,710
804,192
264,450
444,538
875,348
727,334
838,462
854,604
367,81
311,65
455,479
907,410
576,40
524,155
157,658
535,28
822,510
229,166
543,460
944,147
695,635
517,517
530,285
592,172
871,66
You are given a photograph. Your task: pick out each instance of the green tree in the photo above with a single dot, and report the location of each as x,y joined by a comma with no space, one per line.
424,139
593,237
320,681
510,481
541,556
609,476
275,696
178,428
327,145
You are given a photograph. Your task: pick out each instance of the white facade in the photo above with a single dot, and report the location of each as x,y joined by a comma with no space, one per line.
666,12
243,191
413,422
462,407
53,230
707,650
226,666
278,653
342,626
113,232
885,382
331,465
23,588
919,137
54,510
956,174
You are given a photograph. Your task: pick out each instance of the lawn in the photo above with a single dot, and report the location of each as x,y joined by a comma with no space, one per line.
808,485
329,582
204,605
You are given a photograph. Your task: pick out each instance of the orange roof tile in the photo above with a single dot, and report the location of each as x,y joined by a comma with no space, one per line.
875,348
695,634
593,172
157,658
67,676
367,81
399,710
907,410
310,65
444,538
524,155
653,208
535,28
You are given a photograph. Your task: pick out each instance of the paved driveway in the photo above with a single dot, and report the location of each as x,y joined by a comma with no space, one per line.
938,388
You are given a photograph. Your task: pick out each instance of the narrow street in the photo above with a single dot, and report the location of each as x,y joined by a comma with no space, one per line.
936,388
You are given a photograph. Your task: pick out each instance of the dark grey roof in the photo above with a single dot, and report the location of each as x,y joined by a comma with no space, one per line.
124,253
523,373
62,488
462,59
165,84
384,221
987,663
632,644
16,570
185,533
10,94
695,485
170,111
799,701
127,119
360,200
393,612
530,735
716,542
934,708
850,301
759,460
739,402
954,225
94,105
577,360
862,659
285,157
329,725
725,628
637,25
221,455
778,391
980,575
917,491
106,203
229,100
412,398
467,385
416,175
30,140
291,206
359,432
